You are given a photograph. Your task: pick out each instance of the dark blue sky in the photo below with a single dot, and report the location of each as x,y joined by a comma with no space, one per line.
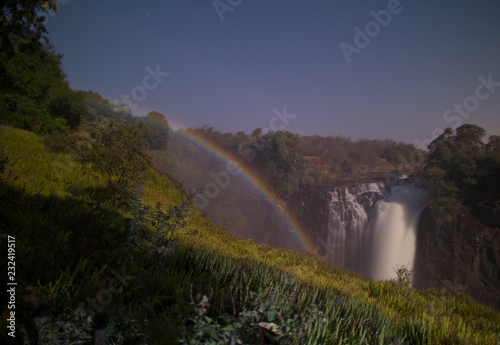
412,77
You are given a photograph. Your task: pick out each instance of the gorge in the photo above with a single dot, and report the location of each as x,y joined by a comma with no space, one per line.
369,227
374,227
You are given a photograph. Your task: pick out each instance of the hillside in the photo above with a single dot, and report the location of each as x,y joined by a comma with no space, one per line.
153,270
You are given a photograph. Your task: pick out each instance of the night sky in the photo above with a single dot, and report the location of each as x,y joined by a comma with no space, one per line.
408,76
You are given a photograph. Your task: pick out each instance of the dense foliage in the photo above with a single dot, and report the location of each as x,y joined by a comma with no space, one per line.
288,161
115,151
33,92
22,23
463,171
150,269
272,155
141,275
154,126
337,157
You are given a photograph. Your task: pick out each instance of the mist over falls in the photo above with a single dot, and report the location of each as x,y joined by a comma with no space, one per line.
372,227
368,227
229,199
394,231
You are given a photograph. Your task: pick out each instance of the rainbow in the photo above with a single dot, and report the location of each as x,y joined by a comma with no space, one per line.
254,180
250,177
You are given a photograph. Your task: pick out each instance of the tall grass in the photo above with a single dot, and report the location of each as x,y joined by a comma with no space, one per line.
214,288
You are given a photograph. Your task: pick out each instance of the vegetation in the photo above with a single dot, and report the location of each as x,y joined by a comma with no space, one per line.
157,271
272,155
22,23
333,158
287,161
461,172
115,151
404,275
109,251
33,92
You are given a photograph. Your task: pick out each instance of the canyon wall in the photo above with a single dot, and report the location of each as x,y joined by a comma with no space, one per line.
462,256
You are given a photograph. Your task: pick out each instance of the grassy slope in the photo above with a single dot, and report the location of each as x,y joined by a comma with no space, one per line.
68,250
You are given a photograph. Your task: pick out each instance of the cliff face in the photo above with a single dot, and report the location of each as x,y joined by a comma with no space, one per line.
336,220
464,256
310,207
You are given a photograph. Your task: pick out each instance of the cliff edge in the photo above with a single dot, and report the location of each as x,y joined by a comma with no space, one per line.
462,256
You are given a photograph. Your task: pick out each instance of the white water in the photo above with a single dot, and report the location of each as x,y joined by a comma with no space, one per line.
347,223
371,231
393,232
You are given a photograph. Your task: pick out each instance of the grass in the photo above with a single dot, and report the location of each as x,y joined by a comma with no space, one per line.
79,260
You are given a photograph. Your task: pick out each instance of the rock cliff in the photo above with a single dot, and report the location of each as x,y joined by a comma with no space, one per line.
463,256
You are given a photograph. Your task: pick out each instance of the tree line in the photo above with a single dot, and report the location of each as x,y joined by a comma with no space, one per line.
289,161
461,170
462,173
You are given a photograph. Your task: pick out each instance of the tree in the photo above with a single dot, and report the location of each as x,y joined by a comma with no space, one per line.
156,130
158,117
118,152
461,171
470,135
100,109
33,92
257,132
64,103
279,161
22,23
493,144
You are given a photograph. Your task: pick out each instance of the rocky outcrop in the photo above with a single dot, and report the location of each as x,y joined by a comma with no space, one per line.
464,256
309,206
335,219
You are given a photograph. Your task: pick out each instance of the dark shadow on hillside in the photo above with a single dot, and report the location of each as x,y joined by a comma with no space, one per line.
51,231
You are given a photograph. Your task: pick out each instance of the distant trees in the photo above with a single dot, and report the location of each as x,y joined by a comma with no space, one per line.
157,131
462,171
154,126
288,161
272,155
341,156
279,161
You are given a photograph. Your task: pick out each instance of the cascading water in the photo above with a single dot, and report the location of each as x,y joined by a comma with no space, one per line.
348,218
393,232
372,229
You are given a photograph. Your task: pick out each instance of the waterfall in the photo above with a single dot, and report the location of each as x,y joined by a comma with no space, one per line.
372,228
394,229
347,222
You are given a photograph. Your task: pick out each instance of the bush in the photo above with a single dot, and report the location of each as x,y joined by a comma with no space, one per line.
404,275
117,152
